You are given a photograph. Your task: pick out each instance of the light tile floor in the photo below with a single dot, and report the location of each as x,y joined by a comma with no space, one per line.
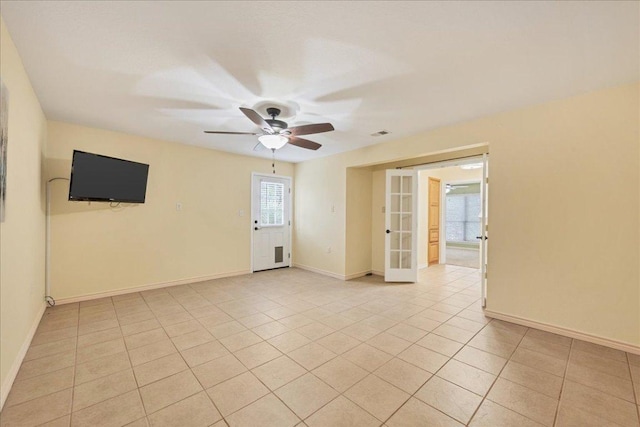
463,257
288,347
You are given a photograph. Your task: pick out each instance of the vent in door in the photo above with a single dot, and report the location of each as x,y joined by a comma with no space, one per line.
279,254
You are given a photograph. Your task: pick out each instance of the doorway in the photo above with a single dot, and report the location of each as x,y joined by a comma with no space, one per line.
270,222
461,218
463,244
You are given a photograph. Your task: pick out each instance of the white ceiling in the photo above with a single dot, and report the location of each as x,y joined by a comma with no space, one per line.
170,70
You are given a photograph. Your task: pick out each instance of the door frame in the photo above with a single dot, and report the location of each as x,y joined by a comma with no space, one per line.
290,219
443,203
441,209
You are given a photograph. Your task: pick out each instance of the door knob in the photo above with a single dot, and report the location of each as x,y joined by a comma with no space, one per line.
388,231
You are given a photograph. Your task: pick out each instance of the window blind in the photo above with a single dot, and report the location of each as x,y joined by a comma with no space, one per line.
271,203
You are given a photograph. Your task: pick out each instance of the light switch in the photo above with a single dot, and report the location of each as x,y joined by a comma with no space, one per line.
241,212
178,206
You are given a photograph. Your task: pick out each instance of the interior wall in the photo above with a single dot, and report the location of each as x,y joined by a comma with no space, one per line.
96,248
321,206
378,201
22,233
445,174
358,227
544,250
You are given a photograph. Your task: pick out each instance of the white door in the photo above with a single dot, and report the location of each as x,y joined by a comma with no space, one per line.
484,227
270,221
401,223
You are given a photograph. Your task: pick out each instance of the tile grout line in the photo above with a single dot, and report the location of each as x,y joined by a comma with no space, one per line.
564,377
435,374
182,357
135,378
223,417
633,387
75,365
496,380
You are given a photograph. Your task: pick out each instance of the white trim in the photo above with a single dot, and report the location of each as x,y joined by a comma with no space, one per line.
320,271
290,219
448,163
567,332
357,275
17,362
344,277
423,266
142,288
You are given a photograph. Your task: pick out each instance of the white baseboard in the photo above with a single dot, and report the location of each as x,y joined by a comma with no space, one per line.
15,366
123,291
357,275
336,275
320,271
567,332
421,266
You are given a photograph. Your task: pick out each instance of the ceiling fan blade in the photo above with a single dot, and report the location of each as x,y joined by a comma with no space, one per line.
259,147
309,129
257,119
304,143
221,132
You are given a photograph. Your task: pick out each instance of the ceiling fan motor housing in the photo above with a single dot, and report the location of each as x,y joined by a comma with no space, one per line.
277,125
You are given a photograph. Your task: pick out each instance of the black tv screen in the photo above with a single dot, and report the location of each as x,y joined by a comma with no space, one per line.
107,179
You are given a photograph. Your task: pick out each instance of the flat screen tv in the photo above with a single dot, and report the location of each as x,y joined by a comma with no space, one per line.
106,179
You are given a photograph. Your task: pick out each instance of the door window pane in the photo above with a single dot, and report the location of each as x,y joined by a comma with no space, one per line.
271,203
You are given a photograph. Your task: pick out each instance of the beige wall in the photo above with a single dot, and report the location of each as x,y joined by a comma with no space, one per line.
378,183
561,254
320,224
22,234
358,237
95,248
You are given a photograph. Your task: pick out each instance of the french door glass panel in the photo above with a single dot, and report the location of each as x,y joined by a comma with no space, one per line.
401,226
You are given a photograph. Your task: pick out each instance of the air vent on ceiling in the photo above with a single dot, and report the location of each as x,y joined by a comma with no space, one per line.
381,133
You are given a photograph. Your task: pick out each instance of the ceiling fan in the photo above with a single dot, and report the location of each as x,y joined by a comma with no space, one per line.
276,133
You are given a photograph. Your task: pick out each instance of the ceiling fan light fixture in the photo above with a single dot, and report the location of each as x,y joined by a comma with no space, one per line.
273,142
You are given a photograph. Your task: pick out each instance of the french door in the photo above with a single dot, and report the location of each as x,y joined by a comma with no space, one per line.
401,225
270,221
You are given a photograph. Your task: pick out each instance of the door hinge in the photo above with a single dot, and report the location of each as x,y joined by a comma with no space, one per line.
289,222
289,255
485,275
487,180
289,190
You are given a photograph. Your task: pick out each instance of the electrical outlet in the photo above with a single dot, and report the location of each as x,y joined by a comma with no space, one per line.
333,208
241,212
178,206
329,250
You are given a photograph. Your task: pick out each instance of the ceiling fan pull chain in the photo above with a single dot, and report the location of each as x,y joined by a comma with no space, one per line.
273,160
